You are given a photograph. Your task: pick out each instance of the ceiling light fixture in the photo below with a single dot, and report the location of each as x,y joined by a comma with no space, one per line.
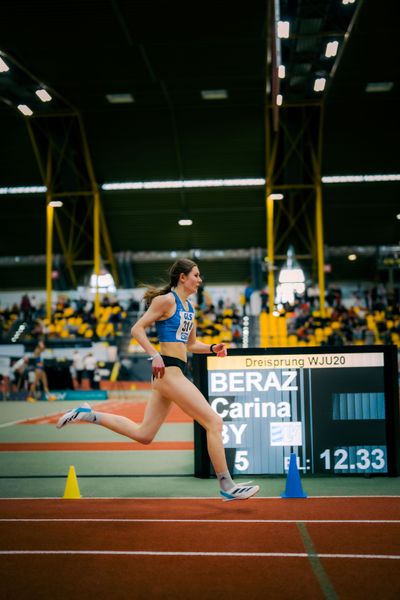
43,95
275,196
379,86
120,98
25,110
319,84
352,257
348,1
283,29
3,66
214,94
279,100
55,203
185,222
331,49
281,71
360,178
191,183
32,189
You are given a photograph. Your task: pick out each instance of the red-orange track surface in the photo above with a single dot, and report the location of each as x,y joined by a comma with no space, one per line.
345,548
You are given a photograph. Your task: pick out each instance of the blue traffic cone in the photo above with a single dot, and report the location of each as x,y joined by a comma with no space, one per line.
293,482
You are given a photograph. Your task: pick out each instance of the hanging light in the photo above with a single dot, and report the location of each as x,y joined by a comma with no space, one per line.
283,29
105,282
3,66
185,220
43,95
25,110
291,279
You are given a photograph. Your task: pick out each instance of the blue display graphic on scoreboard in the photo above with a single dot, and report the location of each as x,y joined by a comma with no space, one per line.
327,408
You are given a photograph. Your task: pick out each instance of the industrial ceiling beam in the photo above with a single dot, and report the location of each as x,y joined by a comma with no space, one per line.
295,135
61,149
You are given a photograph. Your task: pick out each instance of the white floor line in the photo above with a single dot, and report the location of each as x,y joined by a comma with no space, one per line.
156,498
228,521
51,415
197,554
10,423
27,420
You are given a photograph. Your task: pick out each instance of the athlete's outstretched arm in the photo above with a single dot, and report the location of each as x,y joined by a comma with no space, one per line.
198,347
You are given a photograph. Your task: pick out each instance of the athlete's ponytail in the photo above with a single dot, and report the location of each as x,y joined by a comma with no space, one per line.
183,265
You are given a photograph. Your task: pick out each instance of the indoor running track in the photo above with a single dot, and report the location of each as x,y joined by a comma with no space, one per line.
144,548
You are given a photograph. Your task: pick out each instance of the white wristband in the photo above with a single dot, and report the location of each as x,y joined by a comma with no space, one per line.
154,355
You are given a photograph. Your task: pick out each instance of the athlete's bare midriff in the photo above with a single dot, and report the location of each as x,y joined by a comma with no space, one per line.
175,349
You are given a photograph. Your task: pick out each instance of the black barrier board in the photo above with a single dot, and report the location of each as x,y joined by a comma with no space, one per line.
336,408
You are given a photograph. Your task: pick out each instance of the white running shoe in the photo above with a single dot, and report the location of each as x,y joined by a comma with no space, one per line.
240,492
74,415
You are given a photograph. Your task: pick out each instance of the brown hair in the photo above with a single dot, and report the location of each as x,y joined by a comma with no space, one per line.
183,265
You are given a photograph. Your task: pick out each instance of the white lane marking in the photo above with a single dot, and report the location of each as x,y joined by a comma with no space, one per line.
10,423
156,498
110,405
216,554
230,521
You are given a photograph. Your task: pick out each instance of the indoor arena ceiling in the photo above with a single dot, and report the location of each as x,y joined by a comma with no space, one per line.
162,56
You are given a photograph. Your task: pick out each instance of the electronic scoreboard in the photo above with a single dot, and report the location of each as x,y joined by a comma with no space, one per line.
336,408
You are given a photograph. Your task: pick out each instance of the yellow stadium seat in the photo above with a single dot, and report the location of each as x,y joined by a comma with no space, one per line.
319,334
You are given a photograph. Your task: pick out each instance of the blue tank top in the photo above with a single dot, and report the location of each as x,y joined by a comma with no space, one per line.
38,362
178,327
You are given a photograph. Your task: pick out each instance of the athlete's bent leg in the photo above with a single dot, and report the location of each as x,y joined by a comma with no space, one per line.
180,390
175,386
155,414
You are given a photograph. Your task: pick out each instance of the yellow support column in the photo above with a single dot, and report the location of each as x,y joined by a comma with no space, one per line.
96,249
49,254
49,232
320,249
270,252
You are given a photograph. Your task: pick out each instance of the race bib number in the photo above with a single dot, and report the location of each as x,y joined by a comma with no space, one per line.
185,326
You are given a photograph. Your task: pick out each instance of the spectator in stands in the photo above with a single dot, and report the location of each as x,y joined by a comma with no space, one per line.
96,377
34,307
19,371
133,305
264,299
369,337
248,290
40,377
78,367
335,339
25,308
89,363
